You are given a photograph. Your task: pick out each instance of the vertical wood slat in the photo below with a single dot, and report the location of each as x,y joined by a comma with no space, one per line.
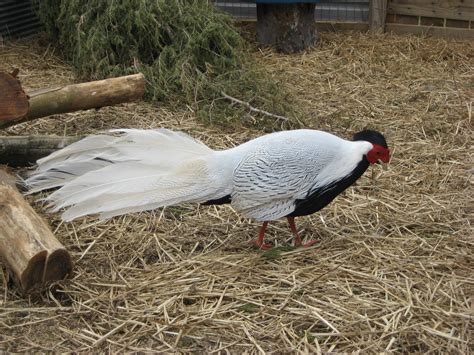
377,14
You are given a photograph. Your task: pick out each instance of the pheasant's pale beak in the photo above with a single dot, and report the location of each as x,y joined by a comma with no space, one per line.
383,165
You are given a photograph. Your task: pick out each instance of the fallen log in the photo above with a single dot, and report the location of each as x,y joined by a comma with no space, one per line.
28,248
18,151
70,98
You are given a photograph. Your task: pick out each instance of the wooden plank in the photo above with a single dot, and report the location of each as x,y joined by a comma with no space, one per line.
444,32
403,19
457,23
432,21
377,14
452,9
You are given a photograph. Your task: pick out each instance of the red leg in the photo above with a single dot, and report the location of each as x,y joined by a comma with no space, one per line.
296,236
259,240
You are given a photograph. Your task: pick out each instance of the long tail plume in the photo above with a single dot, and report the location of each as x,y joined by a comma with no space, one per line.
124,171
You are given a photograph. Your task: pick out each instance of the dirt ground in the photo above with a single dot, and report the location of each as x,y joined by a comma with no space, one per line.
392,270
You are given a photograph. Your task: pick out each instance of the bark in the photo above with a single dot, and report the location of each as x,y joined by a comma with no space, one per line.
28,248
13,100
84,96
289,28
18,151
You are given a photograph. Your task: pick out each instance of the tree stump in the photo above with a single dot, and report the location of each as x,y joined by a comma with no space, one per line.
28,248
290,28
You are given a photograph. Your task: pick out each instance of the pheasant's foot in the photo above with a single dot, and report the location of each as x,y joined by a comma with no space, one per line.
296,237
259,240
307,244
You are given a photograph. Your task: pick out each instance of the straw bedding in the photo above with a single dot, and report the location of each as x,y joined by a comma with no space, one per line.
393,267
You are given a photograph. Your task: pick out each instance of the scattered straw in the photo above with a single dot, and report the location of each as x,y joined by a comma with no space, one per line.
392,271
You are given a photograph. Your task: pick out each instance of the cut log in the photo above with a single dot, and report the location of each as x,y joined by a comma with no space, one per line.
84,96
18,151
13,100
289,28
28,248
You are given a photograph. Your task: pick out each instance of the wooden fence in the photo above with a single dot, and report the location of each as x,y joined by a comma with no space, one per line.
444,18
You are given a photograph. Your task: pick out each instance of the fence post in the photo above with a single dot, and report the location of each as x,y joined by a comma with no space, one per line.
377,14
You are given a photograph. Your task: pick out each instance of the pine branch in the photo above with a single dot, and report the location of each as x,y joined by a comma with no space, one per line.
253,109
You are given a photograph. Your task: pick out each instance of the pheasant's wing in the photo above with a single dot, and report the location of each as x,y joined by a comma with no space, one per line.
269,180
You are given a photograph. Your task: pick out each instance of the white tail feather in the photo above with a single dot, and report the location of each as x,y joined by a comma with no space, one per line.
127,171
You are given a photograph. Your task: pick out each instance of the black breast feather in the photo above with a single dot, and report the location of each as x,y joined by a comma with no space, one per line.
321,197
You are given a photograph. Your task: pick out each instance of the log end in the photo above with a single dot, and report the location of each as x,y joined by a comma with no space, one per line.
28,247
13,101
58,266
32,276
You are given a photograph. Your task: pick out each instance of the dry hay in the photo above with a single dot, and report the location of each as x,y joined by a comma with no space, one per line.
392,270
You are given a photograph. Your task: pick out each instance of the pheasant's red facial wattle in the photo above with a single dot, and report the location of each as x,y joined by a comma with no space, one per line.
378,153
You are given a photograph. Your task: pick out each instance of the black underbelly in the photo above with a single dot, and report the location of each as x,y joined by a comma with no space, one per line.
320,198
312,204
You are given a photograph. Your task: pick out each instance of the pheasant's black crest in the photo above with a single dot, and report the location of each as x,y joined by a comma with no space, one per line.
371,136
